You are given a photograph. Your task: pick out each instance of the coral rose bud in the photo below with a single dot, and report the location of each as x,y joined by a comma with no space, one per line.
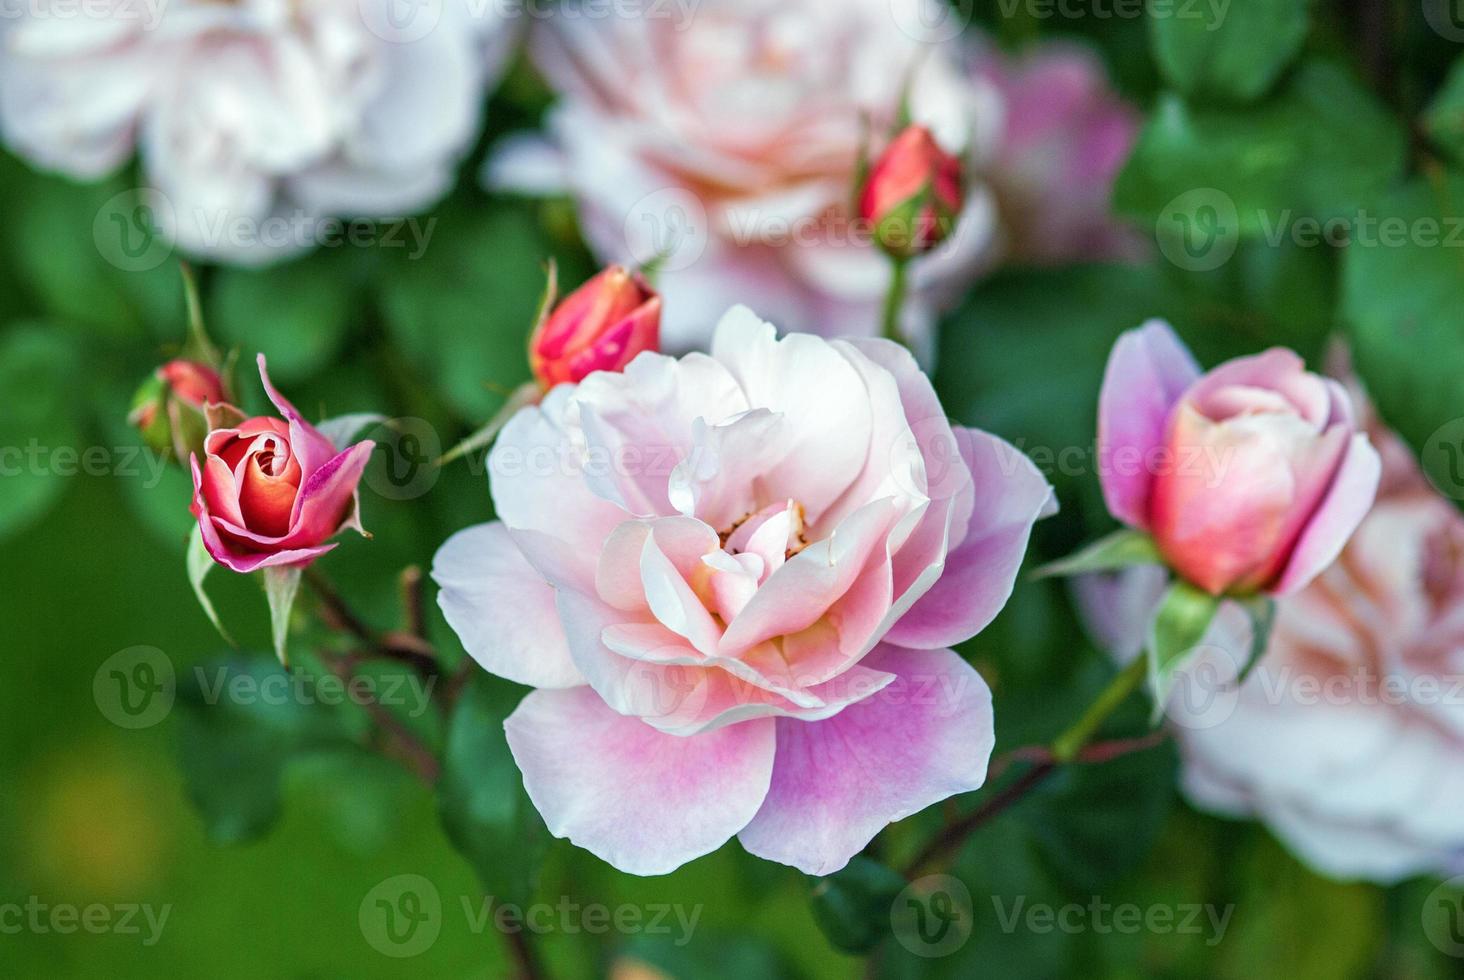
168,408
1250,478
271,491
601,326
912,195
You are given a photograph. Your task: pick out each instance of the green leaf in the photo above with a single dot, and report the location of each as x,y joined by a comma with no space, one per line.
481,800
1262,612
1320,148
852,905
1401,297
296,314
240,728
1443,120
1121,549
40,441
1233,53
281,586
200,563
1184,615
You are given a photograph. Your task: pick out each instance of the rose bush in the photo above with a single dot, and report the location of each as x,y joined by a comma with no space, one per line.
733,580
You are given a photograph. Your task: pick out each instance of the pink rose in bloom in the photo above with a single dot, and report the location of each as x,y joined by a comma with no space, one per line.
1346,737
733,580
913,194
730,139
1065,136
601,326
272,491
255,120
1250,478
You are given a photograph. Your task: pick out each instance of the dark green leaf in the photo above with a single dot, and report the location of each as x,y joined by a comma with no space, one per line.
1230,53
852,905
1443,120
297,314
40,442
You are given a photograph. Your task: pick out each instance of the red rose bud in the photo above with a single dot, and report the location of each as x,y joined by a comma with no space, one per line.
913,194
601,326
168,408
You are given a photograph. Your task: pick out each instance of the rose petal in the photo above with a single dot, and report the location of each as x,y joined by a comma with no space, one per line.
1341,511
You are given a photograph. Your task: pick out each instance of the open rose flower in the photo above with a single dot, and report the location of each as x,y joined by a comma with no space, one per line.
270,491
734,579
1250,478
257,120
1346,737
728,142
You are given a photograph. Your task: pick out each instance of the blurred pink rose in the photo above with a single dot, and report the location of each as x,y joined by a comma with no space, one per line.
601,326
730,140
256,119
1065,136
271,491
1250,478
733,580
1346,738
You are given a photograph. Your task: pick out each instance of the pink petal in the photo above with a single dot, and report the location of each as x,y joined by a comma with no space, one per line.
1345,505
1147,372
644,801
501,609
310,447
1011,495
838,782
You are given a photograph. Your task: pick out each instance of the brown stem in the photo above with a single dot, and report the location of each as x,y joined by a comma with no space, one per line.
523,956
410,582
405,647
403,744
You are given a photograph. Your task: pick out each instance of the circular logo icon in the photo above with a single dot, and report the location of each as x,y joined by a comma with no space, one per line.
402,916
400,21
1206,687
1446,18
135,687
932,21
1443,917
133,230
667,229
404,465
1443,459
932,916
1199,230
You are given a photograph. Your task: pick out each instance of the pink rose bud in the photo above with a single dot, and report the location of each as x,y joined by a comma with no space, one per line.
271,491
912,195
601,326
1250,478
168,408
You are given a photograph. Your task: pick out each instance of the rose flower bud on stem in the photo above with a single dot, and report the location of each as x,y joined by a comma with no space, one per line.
601,326
910,199
169,407
1246,482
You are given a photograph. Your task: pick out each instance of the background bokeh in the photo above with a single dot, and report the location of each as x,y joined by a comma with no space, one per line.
93,812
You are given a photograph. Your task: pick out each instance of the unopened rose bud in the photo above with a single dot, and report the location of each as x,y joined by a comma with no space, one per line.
601,326
913,194
168,408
